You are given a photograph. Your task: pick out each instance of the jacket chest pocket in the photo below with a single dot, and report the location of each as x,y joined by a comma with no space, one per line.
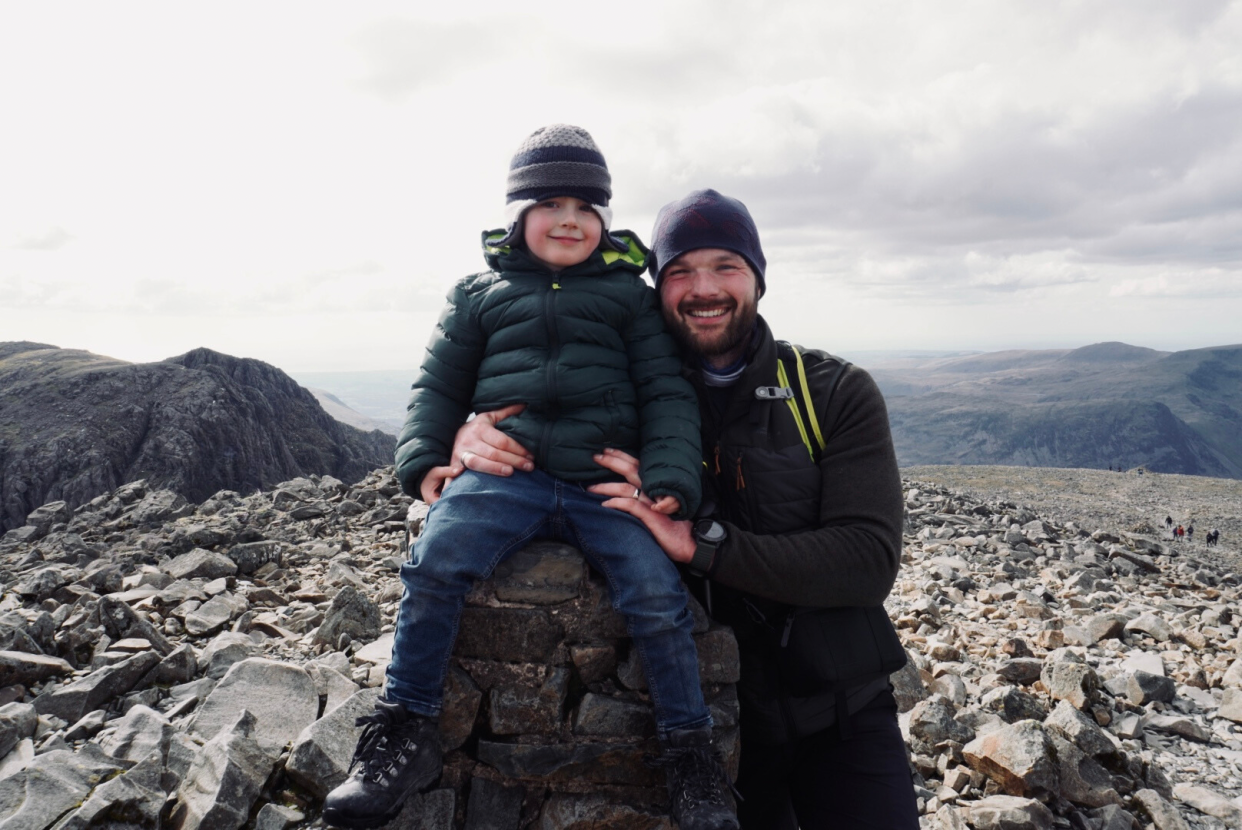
776,490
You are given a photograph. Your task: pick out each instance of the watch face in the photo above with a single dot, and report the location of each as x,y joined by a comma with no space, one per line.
710,531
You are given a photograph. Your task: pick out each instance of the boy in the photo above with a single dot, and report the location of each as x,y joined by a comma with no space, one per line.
563,323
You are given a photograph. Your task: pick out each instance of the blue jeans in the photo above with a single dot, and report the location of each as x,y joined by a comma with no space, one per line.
478,523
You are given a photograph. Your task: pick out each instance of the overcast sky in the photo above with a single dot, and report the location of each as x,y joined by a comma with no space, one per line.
302,182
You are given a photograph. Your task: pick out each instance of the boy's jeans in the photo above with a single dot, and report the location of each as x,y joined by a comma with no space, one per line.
479,522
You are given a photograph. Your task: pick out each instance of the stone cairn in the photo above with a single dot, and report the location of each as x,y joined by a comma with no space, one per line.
170,665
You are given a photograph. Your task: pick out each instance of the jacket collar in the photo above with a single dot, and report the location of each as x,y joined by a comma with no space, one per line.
760,358
514,259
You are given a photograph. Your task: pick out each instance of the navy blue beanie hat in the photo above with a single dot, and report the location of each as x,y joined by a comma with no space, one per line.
706,219
557,160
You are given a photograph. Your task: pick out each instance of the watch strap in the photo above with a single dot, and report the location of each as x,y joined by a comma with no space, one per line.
704,553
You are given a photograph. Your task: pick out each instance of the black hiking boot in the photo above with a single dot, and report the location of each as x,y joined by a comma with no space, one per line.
696,781
398,754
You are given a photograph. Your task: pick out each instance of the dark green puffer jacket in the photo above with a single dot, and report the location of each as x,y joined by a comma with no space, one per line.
584,348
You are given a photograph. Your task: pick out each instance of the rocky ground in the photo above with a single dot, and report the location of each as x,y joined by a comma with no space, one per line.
172,665
1110,500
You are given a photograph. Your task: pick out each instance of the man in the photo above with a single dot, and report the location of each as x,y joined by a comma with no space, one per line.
784,529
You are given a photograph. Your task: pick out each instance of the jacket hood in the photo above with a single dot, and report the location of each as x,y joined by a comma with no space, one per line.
505,257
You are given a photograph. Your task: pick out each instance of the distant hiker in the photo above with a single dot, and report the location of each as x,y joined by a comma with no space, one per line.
1190,533
1213,537
1168,521
1178,533
802,539
564,324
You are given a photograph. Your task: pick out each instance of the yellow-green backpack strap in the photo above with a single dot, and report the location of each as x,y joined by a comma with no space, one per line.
783,379
801,401
806,397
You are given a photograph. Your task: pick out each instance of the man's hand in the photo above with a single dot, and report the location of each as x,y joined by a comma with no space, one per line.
673,536
479,446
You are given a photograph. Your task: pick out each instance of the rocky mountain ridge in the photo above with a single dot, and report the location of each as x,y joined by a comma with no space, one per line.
171,665
74,425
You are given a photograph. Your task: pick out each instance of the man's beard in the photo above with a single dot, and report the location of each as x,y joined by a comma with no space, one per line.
736,335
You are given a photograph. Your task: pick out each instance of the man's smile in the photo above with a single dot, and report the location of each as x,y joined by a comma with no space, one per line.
707,312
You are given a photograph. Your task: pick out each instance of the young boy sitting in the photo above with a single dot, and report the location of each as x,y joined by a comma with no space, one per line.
563,323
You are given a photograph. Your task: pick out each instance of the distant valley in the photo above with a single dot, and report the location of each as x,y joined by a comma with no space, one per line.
375,398
74,424
1108,404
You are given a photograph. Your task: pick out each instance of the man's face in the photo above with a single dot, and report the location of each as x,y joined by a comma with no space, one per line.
710,299
561,231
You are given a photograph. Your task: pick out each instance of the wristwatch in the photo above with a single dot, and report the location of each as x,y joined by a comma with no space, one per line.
708,534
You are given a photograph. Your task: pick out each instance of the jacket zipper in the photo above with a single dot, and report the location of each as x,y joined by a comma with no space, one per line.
554,350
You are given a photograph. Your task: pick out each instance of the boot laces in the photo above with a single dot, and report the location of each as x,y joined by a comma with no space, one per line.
696,772
381,750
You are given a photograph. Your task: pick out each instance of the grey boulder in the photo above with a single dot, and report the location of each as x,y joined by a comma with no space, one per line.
280,697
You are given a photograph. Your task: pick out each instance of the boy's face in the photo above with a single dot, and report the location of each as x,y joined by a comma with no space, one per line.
561,231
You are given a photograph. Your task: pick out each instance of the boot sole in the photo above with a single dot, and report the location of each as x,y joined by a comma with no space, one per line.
336,818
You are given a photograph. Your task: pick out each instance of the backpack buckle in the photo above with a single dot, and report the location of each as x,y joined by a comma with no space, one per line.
773,393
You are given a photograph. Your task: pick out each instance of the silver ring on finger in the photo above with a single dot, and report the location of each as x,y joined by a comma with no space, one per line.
465,456
638,491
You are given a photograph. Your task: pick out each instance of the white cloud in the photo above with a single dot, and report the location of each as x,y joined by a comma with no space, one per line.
52,239
292,161
1212,284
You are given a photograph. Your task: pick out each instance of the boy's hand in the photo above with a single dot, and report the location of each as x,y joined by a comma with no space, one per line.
673,536
434,482
667,505
626,465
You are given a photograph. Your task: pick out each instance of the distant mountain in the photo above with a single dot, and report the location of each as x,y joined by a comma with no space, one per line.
378,394
346,414
1100,405
74,425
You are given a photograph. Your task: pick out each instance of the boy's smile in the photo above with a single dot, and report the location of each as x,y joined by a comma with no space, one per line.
561,231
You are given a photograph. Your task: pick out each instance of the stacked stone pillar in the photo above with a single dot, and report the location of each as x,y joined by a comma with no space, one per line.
547,717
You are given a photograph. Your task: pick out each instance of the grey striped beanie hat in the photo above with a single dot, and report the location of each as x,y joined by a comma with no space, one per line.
557,160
